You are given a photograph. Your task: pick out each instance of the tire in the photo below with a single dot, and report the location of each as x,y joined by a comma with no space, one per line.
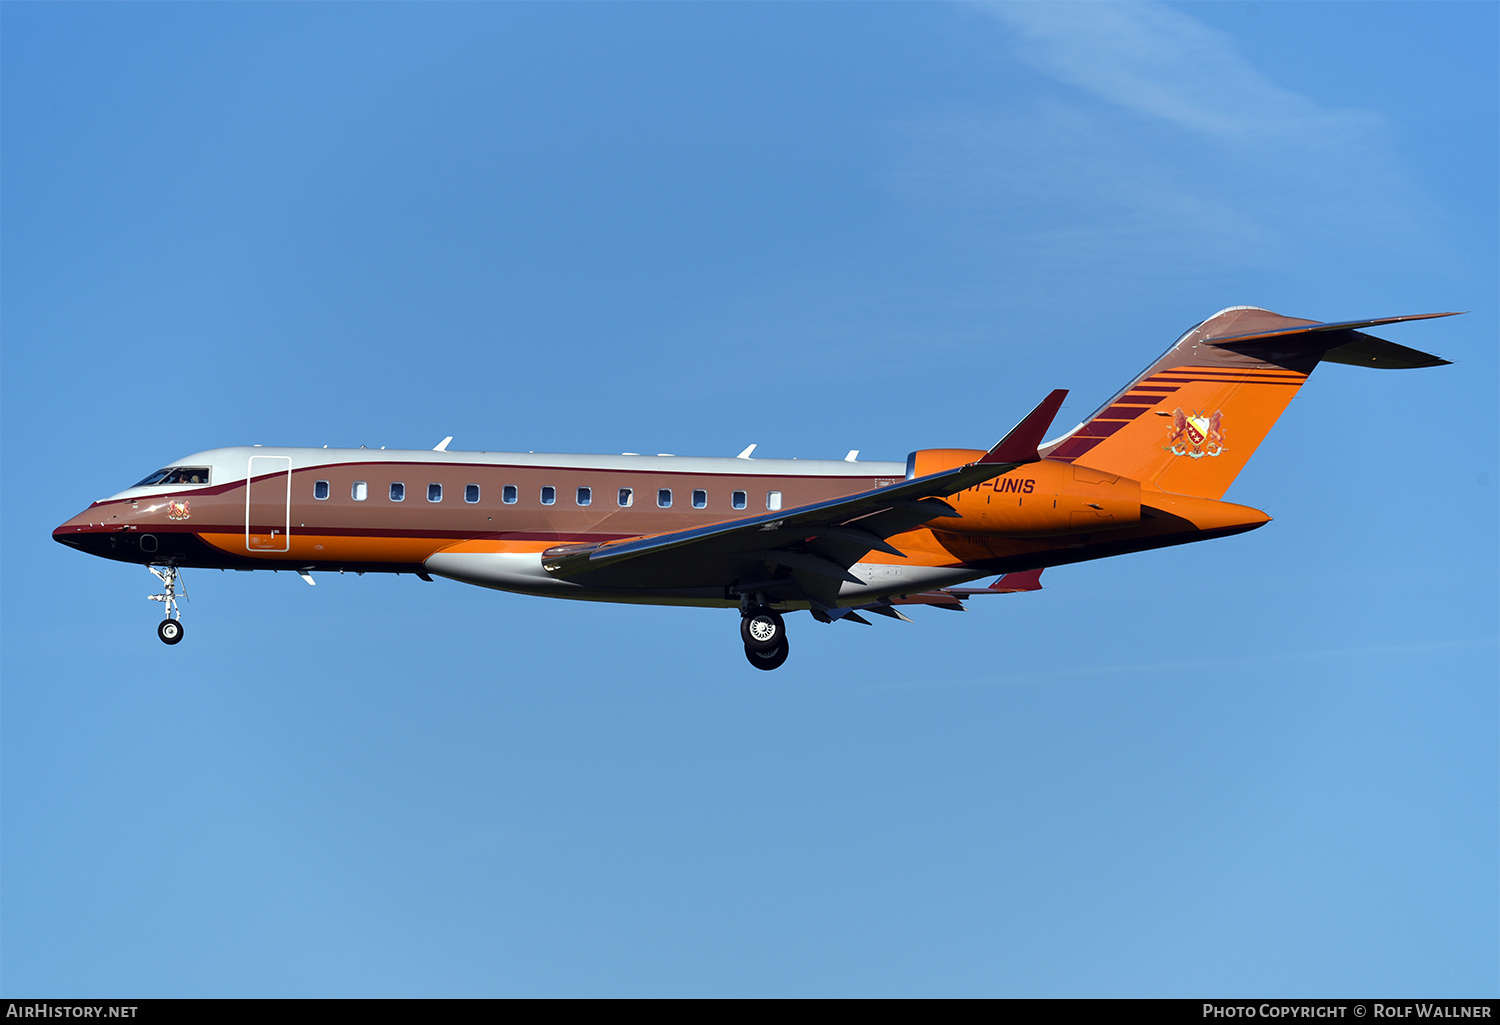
768,660
762,630
169,630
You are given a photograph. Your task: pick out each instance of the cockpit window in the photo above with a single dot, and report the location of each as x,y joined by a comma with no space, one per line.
176,475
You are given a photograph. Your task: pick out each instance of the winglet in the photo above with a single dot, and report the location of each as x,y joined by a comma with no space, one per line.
1020,445
1027,580
1011,583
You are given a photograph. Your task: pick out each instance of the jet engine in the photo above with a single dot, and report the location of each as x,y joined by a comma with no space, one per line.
1033,500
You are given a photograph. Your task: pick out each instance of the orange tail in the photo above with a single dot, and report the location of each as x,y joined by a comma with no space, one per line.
1190,423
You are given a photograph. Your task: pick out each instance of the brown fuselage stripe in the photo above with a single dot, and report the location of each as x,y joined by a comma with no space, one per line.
1073,447
1225,375
1183,376
1189,368
1123,412
1100,428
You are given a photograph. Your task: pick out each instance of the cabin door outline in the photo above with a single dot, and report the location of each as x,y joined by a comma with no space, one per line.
268,504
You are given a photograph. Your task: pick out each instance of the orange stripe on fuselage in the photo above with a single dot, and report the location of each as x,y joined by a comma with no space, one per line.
314,548
483,546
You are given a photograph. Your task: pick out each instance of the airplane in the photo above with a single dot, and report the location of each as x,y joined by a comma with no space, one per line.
835,538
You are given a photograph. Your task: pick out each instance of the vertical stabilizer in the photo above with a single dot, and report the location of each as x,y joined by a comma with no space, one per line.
1190,423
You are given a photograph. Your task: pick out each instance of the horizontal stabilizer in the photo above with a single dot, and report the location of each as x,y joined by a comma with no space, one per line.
1379,354
1312,327
1282,340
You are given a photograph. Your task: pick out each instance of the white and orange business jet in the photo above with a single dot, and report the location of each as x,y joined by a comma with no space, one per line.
837,538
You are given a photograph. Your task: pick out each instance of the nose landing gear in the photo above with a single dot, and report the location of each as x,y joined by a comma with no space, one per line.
169,629
764,634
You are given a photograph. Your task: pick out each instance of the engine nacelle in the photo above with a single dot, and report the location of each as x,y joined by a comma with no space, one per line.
1033,500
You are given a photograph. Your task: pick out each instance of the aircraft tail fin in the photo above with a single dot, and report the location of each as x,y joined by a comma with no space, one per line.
1191,421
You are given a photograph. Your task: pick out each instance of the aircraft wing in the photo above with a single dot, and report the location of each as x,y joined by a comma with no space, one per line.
950,598
803,552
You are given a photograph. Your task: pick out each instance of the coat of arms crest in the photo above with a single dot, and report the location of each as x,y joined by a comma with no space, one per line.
1196,435
177,510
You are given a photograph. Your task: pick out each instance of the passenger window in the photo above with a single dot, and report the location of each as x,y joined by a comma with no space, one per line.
585,496
664,498
549,495
738,499
434,492
700,498
773,500
360,491
320,490
508,494
471,493
398,492
626,497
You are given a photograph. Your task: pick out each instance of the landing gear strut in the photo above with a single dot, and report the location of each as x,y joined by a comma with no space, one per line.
169,629
764,634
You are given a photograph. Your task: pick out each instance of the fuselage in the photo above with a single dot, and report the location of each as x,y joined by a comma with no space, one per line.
1148,469
485,518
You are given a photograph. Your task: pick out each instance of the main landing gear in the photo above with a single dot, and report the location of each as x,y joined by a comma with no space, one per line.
169,629
764,634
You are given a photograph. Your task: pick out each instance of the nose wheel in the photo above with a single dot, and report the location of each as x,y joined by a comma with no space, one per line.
764,634
169,629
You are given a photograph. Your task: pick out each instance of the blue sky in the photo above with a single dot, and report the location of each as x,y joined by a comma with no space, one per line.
1264,765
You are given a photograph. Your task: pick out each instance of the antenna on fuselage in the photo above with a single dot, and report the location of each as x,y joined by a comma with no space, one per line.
746,454
442,446
852,456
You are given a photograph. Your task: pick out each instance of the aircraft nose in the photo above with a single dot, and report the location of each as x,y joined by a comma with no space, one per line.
83,531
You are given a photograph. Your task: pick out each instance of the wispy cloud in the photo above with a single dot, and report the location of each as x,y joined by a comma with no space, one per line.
1161,63
1150,139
